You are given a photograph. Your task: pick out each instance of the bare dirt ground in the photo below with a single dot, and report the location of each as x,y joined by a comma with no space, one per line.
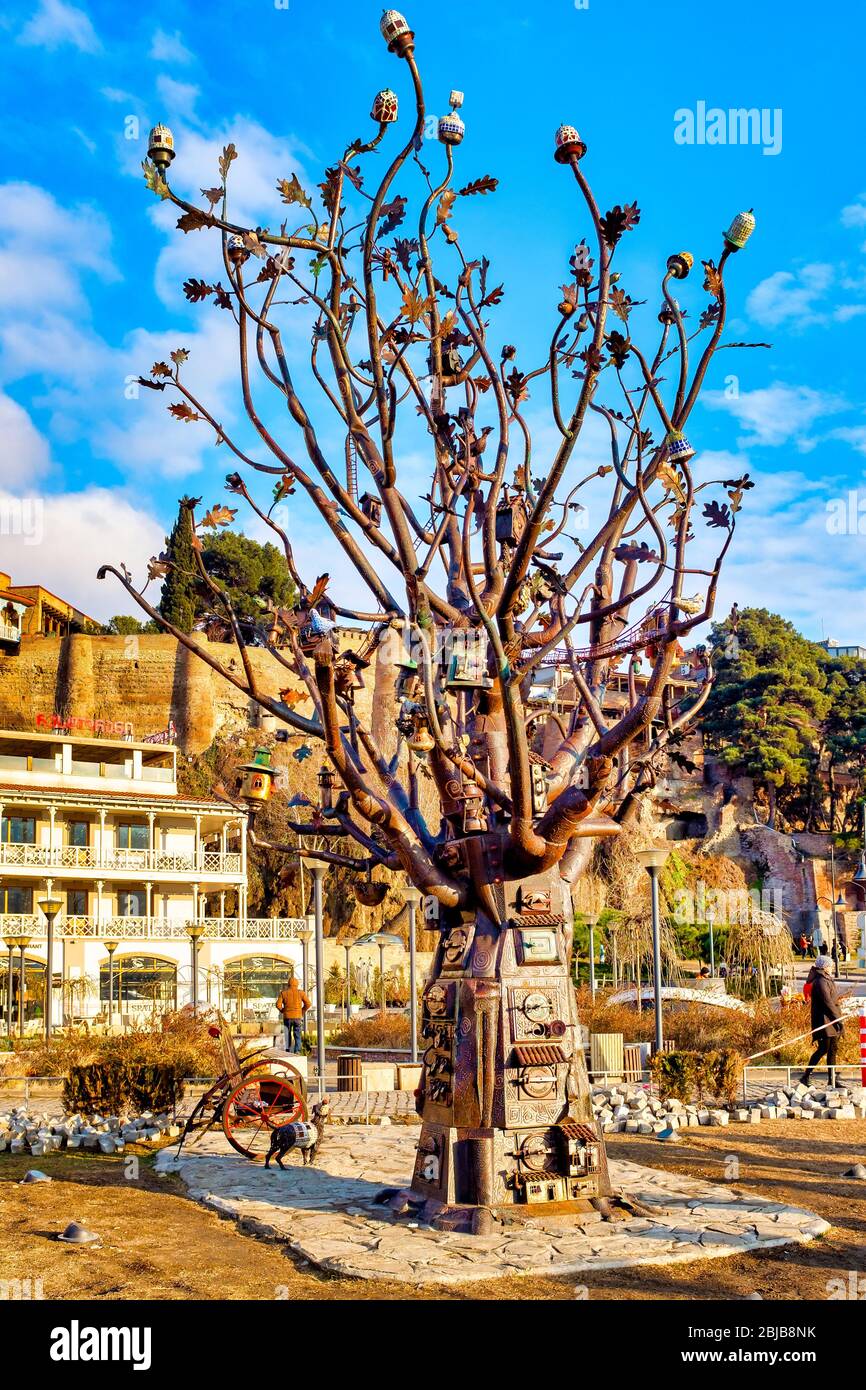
157,1244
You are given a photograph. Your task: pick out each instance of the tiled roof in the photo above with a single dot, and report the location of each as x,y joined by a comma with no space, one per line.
127,800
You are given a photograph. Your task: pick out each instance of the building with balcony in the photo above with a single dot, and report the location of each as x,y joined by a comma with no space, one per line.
42,613
13,616
98,824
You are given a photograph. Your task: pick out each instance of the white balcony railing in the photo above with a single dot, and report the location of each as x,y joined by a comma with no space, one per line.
134,861
8,633
152,928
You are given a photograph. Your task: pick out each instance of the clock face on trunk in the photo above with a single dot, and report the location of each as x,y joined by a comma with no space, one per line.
537,1007
538,1152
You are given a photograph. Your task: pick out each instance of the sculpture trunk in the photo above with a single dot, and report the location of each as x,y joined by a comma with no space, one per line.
504,1099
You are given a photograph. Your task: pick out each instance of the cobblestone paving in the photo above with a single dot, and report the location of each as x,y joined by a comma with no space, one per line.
326,1214
354,1106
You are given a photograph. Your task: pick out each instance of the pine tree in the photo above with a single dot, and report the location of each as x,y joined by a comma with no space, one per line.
178,603
765,713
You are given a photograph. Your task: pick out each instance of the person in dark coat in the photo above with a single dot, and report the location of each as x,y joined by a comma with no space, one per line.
826,1016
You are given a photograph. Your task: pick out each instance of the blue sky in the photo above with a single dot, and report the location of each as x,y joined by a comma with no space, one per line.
91,266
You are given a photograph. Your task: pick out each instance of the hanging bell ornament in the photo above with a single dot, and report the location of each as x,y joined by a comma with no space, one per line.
680,264
740,230
421,742
396,33
450,129
160,147
679,448
236,251
384,107
568,145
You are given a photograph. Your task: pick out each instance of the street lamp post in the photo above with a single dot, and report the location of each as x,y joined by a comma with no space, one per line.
711,915
111,947
838,901
382,995
413,899
306,937
50,908
653,860
347,947
591,926
317,869
10,942
22,942
194,931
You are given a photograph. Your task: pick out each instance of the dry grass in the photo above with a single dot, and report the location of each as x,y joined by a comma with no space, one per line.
175,1039
703,1028
385,1030
159,1245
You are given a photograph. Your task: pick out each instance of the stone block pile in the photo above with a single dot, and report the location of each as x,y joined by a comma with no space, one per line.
25,1131
631,1109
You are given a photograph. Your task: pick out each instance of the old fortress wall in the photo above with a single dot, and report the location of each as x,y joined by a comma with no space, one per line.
147,680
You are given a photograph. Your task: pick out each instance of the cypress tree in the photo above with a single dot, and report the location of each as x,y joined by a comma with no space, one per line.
178,604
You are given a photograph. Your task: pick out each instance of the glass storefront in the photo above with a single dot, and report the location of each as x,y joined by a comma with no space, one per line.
251,985
141,980
34,988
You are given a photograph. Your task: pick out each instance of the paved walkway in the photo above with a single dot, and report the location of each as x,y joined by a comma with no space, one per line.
354,1107
326,1213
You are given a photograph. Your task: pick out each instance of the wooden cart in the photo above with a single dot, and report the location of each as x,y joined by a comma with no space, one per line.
253,1096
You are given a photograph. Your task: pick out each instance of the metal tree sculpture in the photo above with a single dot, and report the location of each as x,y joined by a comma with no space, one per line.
504,1093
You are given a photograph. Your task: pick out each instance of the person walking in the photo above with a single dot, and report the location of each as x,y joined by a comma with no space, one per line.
817,939
826,1018
292,1003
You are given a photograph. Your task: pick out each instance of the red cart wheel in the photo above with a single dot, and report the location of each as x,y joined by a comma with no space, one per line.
256,1106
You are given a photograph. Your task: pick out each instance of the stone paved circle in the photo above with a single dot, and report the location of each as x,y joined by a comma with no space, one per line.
325,1213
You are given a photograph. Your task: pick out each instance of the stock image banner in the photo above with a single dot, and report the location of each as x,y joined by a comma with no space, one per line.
432,670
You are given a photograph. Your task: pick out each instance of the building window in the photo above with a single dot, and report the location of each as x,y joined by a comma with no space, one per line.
131,902
141,980
76,902
18,830
251,985
18,901
34,988
78,832
133,837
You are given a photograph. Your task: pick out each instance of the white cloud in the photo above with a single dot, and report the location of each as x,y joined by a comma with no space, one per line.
76,533
777,414
854,435
25,455
788,297
56,24
177,97
784,530
69,240
263,158
854,215
46,339
169,48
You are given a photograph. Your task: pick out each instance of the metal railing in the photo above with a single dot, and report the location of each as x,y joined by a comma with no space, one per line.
135,860
848,1073
8,633
154,928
